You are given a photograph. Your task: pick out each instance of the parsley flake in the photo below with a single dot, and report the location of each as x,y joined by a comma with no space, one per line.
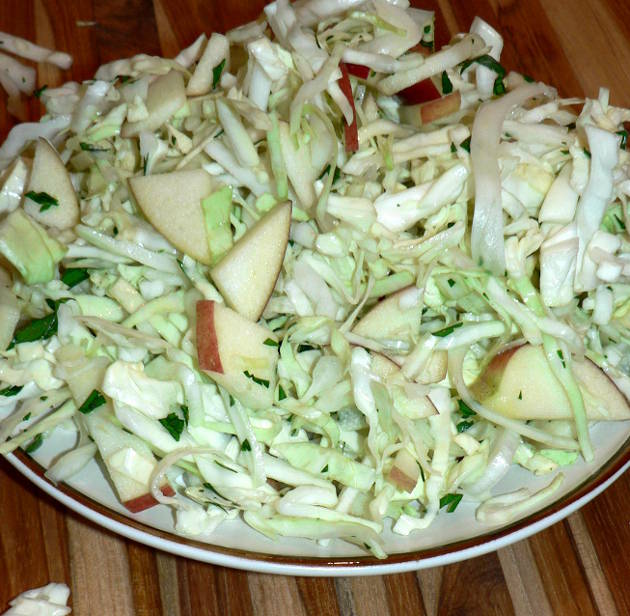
447,331
450,501
12,390
43,199
263,382
246,446
174,425
93,401
216,73
72,277
36,443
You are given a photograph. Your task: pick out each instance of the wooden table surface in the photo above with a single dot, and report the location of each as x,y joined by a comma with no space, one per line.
579,566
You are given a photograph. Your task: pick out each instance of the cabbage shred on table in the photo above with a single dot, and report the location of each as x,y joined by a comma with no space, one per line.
486,214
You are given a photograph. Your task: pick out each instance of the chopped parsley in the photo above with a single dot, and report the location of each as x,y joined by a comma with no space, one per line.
72,277
586,153
465,144
453,148
93,401
447,331
216,73
88,147
38,329
485,60
325,469
520,395
246,446
263,382
462,426
12,390
624,138
499,87
561,356
447,84
43,199
450,501
281,393
185,412
528,79
36,443
305,347
40,91
270,342
451,282
464,409
174,425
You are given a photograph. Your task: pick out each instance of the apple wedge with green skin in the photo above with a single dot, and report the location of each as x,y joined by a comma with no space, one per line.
166,96
518,383
247,274
128,459
239,355
49,175
171,202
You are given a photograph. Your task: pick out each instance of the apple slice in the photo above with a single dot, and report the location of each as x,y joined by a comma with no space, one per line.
12,184
128,459
420,92
425,113
405,472
82,374
49,175
351,131
519,383
435,369
247,274
397,316
239,355
166,96
172,204
358,70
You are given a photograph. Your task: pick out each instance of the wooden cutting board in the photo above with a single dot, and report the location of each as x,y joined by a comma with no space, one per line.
579,566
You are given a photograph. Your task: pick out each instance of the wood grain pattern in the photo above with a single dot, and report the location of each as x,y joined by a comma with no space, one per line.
580,566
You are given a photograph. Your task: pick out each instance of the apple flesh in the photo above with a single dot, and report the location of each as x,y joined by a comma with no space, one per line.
518,383
166,96
397,316
237,354
172,204
247,274
49,175
405,472
129,461
426,113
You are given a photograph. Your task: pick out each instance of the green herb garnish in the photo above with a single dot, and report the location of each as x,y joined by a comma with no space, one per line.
185,412
12,390
36,443
246,446
624,138
93,401
40,91
465,144
450,501
447,84
451,282
464,409
43,199
485,60
281,393
447,331
561,356
271,342
216,73
174,425
263,382
38,329
325,469
462,426
72,277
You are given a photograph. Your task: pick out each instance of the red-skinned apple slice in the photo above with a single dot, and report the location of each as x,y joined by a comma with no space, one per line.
425,113
237,354
358,70
128,460
49,175
420,92
519,383
247,274
351,131
172,204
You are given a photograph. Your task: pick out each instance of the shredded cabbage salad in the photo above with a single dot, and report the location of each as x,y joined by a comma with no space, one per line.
316,274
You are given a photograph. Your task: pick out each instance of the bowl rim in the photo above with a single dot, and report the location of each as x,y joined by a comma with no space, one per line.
132,528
